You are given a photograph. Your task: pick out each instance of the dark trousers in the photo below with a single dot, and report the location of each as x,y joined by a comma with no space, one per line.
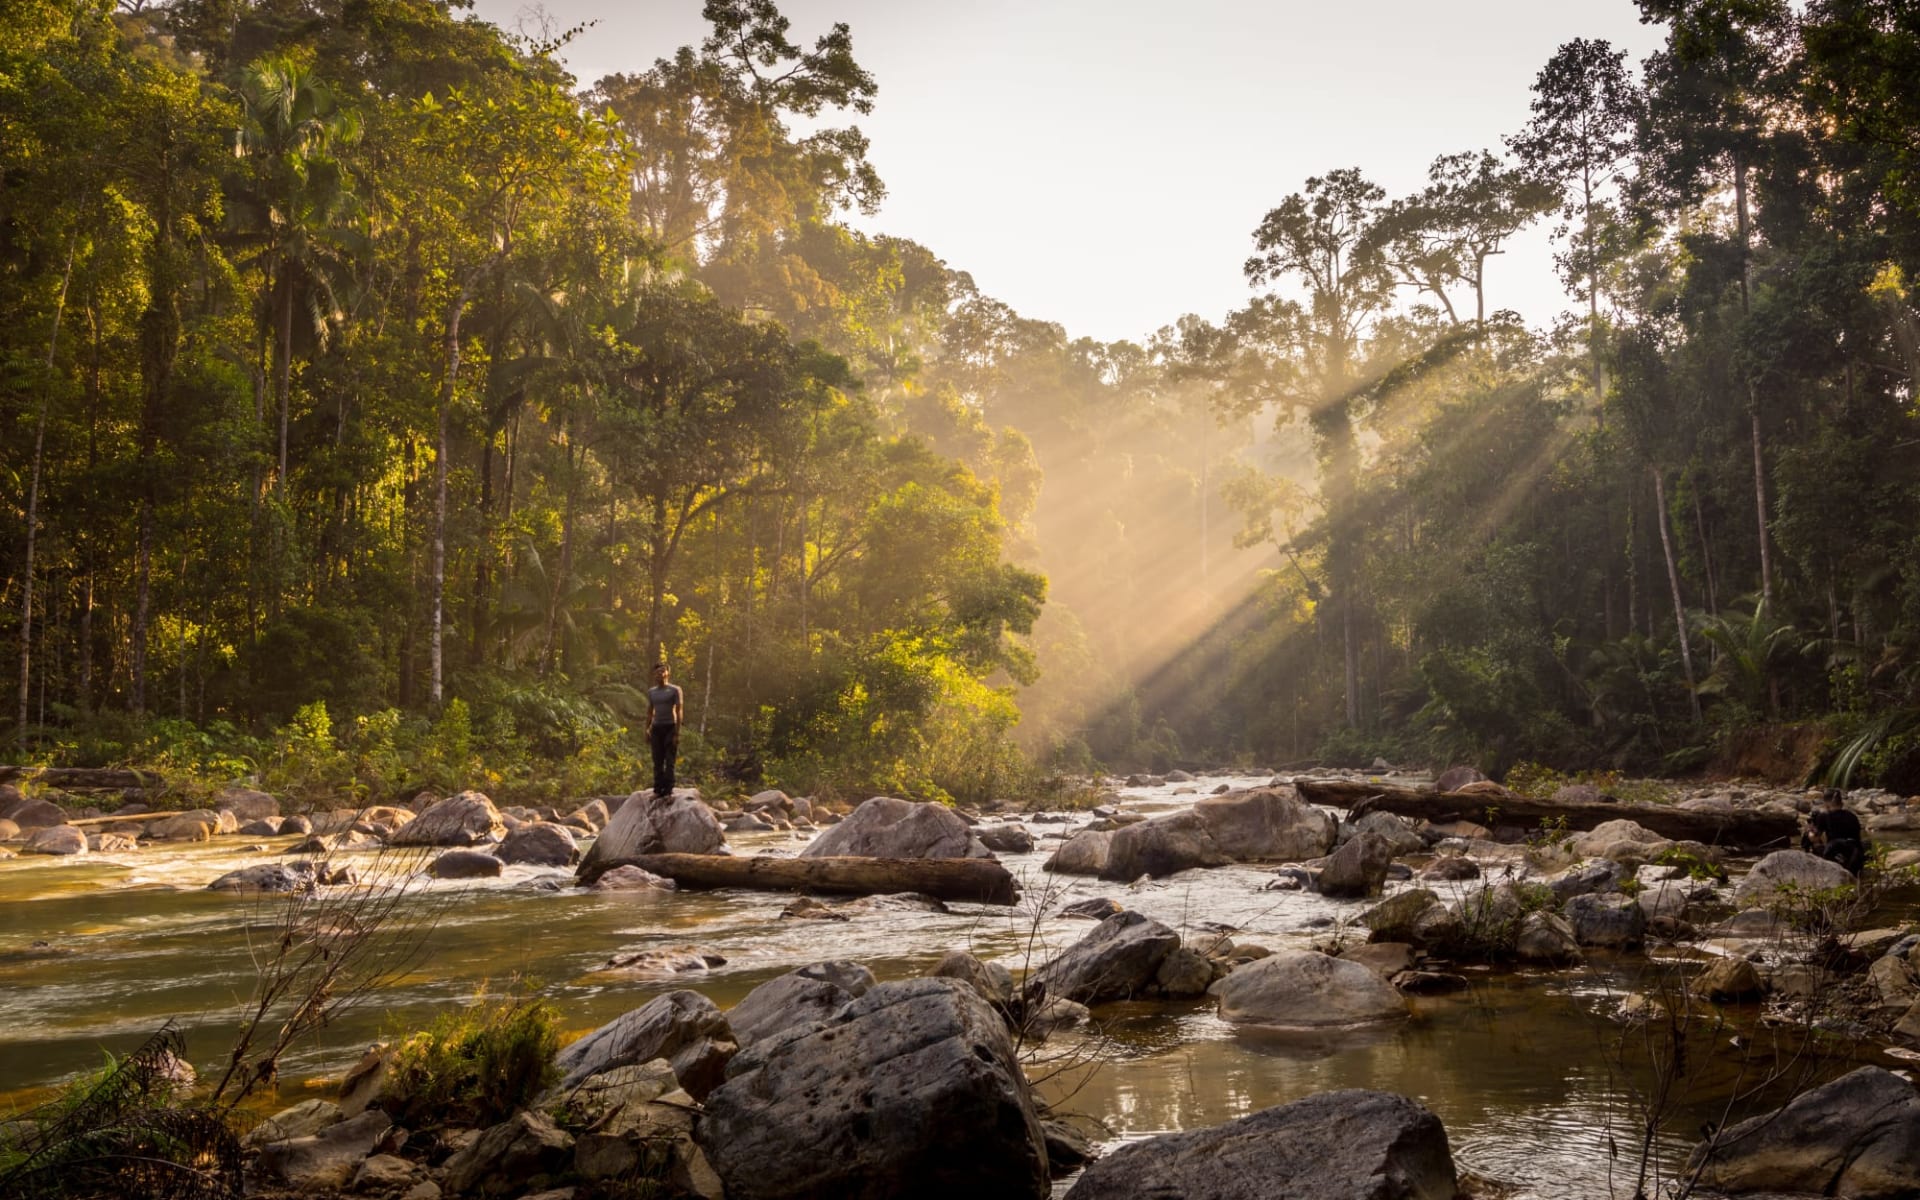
666,749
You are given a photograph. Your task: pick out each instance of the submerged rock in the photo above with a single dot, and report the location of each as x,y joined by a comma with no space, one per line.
266,877
631,879
884,827
465,864
1858,1136
1304,989
1343,1145
912,1089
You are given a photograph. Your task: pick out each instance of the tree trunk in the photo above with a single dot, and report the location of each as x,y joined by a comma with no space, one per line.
1740,830
143,597
437,567
1753,393
33,500
1673,582
969,880
283,369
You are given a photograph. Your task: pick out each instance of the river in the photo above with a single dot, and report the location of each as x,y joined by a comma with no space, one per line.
1525,1068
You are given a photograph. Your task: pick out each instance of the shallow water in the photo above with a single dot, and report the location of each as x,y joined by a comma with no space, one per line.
1522,1069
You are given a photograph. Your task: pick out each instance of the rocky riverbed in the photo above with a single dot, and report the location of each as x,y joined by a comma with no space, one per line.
1244,952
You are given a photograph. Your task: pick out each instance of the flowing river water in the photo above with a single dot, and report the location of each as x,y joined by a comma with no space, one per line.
1532,1077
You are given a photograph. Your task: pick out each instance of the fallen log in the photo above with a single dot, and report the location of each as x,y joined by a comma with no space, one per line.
81,779
978,880
1739,830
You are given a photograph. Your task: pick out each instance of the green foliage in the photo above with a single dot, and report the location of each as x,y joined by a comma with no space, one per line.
476,1065
123,1130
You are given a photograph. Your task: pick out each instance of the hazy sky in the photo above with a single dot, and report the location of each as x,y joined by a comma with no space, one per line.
1102,163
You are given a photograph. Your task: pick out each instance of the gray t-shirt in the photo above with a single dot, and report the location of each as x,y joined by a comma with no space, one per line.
663,700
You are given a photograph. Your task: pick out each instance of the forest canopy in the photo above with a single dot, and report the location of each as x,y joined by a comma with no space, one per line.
378,403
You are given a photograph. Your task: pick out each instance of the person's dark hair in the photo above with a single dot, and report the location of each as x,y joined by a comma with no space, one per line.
1835,798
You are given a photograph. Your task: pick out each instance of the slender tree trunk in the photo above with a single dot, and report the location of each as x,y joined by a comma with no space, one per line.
1673,582
483,564
283,370
1706,554
558,584
33,499
1753,393
437,566
142,603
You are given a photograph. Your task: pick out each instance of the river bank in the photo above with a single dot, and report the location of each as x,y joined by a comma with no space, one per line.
1522,1064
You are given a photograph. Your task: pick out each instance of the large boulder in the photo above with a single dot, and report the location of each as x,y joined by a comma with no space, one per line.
1343,1145
506,1159
1415,916
36,814
884,827
648,824
1545,937
1454,778
993,981
912,1089
1398,831
1304,989
1085,853
198,826
1618,840
1613,922
466,819
1006,839
1357,868
1858,1136
56,839
1118,959
327,1160
246,804
540,844
1269,824
1162,846
631,1118
812,993
683,1027
1786,874
1261,825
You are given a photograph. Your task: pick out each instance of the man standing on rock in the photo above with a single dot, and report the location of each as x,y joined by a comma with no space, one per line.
1835,833
664,703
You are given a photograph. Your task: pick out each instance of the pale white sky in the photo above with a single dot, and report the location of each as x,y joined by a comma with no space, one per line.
1102,163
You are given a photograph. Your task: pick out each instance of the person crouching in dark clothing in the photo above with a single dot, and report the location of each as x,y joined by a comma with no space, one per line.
1835,833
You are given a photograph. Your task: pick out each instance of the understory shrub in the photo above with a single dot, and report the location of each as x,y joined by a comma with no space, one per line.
476,1065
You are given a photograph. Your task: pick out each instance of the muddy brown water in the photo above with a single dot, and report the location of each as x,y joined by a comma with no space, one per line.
1534,1081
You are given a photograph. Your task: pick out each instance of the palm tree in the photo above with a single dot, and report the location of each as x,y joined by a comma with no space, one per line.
299,210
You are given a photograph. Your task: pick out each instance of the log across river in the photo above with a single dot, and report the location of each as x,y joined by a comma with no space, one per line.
974,880
1733,830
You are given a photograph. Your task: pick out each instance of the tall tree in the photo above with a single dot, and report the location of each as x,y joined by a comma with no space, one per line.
1584,106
